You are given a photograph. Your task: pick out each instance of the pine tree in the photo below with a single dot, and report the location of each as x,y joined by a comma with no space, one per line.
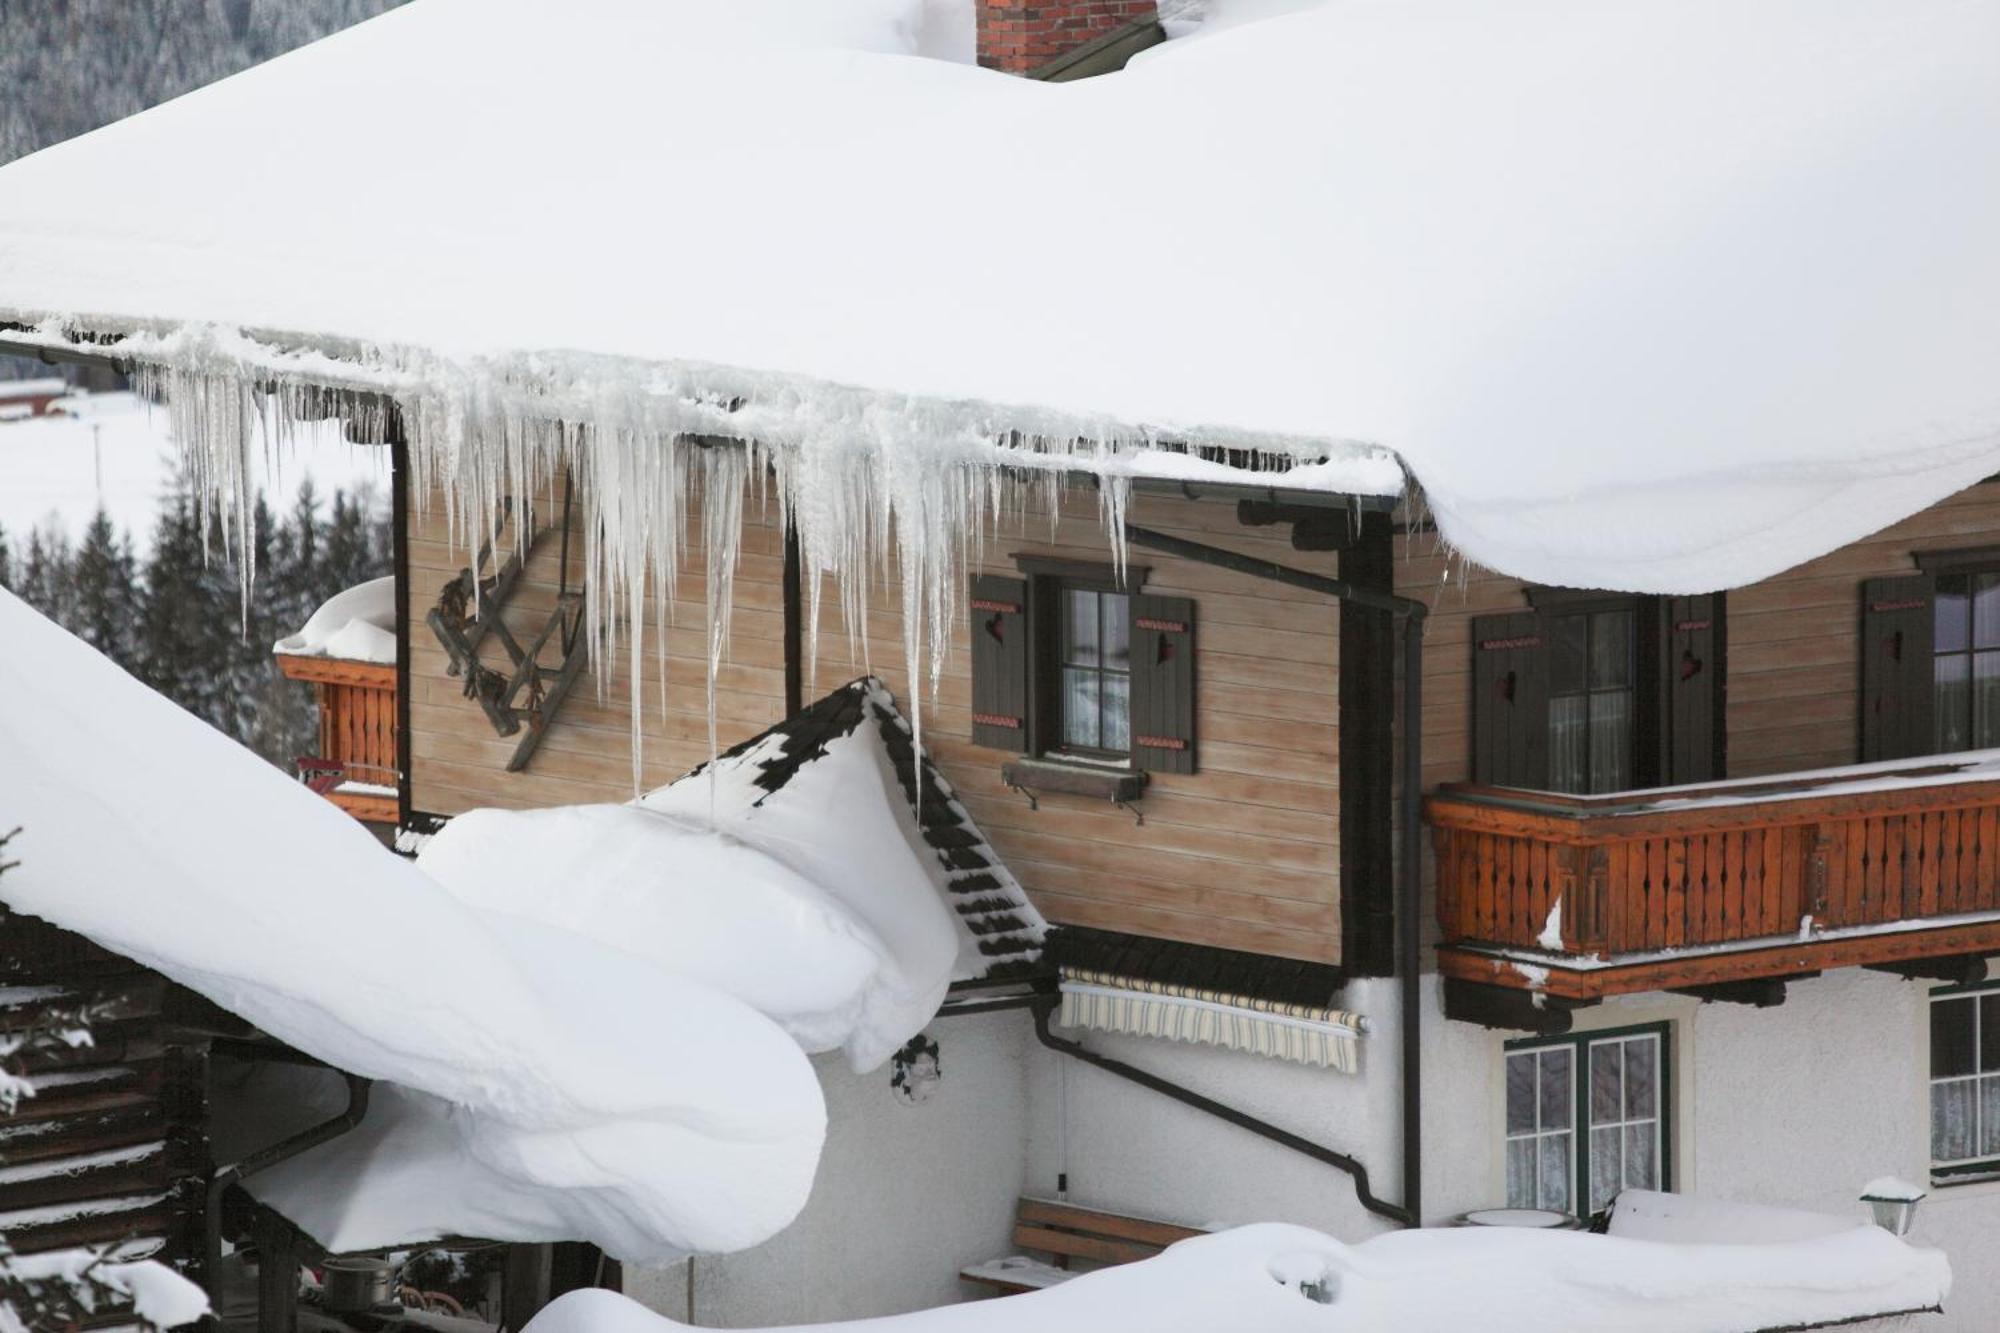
105,598
190,621
6,561
45,573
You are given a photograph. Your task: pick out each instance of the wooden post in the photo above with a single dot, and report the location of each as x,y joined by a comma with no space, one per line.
277,1273
524,1287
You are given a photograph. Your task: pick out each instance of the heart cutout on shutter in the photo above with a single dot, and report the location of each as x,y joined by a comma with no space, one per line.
1690,665
1166,650
1506,684
996,627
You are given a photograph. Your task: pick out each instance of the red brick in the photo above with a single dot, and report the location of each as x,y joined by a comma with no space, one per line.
1020,35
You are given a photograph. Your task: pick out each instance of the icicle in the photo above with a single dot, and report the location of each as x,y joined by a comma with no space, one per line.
875,485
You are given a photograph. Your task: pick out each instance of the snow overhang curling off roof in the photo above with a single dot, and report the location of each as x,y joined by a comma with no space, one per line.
1661,296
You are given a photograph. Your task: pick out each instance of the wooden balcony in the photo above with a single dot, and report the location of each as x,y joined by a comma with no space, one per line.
1580,897
356,767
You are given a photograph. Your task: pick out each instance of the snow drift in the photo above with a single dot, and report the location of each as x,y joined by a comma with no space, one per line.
1277,1279
546,1086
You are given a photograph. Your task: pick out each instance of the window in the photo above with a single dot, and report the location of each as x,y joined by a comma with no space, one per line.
1073,666
1965,667
1930,657
1095,662
1586,1118
1590,693
1591,677
1965,1085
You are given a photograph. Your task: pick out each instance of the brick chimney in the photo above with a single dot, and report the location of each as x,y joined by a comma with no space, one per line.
1022,35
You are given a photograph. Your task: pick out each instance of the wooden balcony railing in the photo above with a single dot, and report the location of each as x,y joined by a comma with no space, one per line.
356,767
1878,863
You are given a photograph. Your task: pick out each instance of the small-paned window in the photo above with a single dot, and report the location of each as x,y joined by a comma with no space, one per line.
1586,1118
1590,693
1075,663
1095,660
1965,662
1965,1085
1591,678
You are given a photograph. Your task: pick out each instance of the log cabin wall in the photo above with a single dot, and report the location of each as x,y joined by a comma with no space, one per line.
1242,854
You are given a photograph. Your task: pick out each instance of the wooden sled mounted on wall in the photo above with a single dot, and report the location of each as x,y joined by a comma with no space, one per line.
527,692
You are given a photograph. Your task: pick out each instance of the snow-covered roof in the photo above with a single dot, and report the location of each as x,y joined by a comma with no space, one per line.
356,624
794,872
1658,295
515,1104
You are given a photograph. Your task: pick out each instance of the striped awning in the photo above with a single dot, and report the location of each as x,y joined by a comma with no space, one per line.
1305,1035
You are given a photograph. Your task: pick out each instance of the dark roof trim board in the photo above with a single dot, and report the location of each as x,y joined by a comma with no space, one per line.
1172,962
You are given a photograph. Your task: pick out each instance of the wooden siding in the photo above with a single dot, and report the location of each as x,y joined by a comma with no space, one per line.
1243,854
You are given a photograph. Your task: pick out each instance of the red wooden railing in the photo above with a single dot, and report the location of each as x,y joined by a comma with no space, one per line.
357,733
1644,872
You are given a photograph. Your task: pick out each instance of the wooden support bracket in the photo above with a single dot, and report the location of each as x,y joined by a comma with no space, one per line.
1509,1009
1761,992
1962,970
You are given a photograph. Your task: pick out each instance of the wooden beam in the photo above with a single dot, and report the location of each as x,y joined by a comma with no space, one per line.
1508,1009
1758,992
1791,958
1968,970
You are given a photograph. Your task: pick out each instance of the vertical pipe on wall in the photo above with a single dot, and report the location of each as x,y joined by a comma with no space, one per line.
1410,880
399,524
794,669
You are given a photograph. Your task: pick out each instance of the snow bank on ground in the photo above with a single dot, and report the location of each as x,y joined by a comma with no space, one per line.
811,904
358,624
1430,1281
110,449
563,1089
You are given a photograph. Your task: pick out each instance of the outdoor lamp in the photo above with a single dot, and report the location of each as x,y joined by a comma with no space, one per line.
1893,1203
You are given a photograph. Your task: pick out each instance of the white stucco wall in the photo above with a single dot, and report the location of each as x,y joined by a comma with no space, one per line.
905,1196
1796,1106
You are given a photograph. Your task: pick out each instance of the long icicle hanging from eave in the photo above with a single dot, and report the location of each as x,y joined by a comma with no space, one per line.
877,486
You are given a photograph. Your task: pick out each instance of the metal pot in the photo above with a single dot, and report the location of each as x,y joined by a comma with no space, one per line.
355,1284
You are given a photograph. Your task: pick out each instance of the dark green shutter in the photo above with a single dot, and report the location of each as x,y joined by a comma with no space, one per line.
1162,642
1692,682
1896,668
1510,701
1000,683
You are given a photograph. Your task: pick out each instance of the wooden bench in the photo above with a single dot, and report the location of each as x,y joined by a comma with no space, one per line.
1068,1234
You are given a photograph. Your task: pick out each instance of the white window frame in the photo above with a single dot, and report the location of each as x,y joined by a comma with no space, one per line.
1979,1167
1582,1047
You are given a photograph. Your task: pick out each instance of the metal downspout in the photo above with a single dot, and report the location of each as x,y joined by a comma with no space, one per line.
269,1156
1409,875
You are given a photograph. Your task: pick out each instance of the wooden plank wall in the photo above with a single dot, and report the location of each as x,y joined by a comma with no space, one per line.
1243,854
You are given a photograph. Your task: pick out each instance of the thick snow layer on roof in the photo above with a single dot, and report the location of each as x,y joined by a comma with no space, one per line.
357,623
573,1090
1425,1281
1660,295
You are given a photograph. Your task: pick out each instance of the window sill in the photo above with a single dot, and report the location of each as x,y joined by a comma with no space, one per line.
1120,786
